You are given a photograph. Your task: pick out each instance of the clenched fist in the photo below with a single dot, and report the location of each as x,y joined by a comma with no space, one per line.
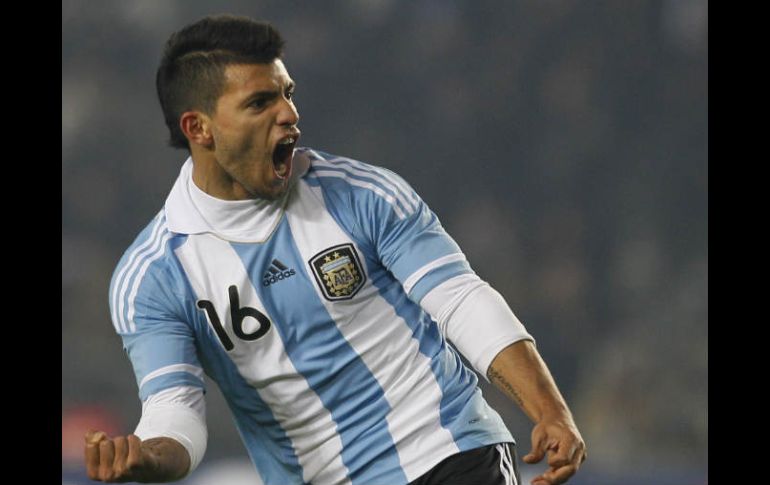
129,459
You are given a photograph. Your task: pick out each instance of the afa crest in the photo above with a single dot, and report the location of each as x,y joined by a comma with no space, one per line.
338,272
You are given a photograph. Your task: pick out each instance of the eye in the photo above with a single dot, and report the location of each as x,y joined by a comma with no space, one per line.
290,94
258,103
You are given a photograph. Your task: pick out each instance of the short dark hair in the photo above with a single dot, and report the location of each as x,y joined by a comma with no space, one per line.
191,74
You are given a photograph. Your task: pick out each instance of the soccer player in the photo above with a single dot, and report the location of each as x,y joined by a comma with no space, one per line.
320,293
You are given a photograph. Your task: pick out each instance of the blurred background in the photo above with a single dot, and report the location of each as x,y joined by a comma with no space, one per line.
563,144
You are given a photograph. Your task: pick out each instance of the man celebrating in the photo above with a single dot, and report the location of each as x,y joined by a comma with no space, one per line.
320,293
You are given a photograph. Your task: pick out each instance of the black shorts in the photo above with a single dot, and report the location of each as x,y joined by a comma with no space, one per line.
489,465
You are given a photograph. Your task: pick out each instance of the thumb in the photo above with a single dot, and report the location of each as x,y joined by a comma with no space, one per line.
94,437
538,449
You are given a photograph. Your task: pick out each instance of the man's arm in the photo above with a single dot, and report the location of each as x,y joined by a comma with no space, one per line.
129,459
413,246
169,442
519,371
478,321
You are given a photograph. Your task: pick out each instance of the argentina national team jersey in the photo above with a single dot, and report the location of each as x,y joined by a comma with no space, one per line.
310,325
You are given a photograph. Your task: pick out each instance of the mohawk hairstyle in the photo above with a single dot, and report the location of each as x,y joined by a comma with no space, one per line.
191,74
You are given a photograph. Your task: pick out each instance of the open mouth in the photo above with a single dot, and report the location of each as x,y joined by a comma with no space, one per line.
282,156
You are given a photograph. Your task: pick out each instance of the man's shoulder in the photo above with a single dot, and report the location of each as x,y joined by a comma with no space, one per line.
320,159
356,180
149,251
147,275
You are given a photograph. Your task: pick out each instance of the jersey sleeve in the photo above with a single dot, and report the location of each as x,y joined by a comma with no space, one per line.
147,314
410,240
475,318
178,413
390,220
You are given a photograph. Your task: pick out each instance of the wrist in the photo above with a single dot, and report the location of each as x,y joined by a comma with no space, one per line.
165,459
559,413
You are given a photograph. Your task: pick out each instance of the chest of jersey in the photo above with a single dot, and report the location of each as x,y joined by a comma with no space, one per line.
297,299
304,324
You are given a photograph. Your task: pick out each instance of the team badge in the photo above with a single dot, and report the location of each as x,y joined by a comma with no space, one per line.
338,272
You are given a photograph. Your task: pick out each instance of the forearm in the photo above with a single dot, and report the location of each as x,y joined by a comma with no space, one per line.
520,372
178,414
475,318
168,443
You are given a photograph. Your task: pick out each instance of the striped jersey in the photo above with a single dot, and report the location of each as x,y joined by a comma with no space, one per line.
307,315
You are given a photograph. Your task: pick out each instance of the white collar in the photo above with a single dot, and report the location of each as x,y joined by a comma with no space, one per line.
189,210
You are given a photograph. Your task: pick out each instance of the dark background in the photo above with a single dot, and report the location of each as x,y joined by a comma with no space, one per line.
562,144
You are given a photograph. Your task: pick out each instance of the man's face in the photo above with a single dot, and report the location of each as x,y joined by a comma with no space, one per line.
254,130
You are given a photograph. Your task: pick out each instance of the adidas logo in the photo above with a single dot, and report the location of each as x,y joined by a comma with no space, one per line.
276,272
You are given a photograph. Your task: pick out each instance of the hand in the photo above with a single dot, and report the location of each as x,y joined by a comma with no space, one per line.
566,450
119,459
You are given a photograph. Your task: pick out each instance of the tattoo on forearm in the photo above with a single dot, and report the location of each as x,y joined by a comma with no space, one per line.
498,379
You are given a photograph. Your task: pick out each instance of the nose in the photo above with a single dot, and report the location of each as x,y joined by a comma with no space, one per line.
288,115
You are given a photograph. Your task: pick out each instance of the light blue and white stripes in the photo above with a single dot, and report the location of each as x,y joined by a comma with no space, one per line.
382,182
127,280
192,369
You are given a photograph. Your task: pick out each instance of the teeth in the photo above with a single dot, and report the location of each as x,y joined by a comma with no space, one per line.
286,141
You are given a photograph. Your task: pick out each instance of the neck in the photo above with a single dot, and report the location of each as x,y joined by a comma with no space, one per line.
213,180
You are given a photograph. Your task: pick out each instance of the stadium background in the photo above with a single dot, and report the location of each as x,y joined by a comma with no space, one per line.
563,144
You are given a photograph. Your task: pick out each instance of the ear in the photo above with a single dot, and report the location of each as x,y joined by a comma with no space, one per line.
196,127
